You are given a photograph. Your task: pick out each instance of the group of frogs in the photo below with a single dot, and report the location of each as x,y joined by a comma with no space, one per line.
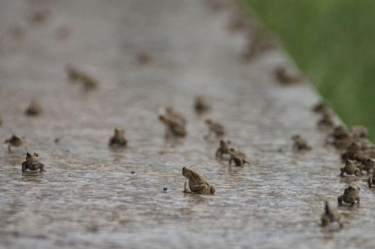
357,154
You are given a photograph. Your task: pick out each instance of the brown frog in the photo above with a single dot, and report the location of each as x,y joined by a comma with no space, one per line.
32,163
172,128
286,78
75,75
300,143
223,149
172,113
196,182
201,105
367,165
118,139
216,128
350,196
16,141
331,215
351,168
326,121
371,180
237,156
34,109
321,107
359,131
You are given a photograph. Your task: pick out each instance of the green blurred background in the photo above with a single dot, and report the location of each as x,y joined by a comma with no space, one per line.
332,42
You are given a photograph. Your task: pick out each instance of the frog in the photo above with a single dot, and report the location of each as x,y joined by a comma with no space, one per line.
326,121
237,156
118,139
359,131
196,182
350,196
321,107
16,141
88,82
172,128
223,149
367,165
214,127
201,105
34,109
371,180
300,143
286,78
351,168
331,215
172,113
32,163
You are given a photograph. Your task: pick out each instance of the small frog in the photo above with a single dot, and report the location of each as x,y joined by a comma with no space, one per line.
214,127
118,139
89,83
223,149
340,132
359,131
172,127
350,196
16,141
237,156
300,143
34,109
367,165
32,163
171,113
196,182
351,168
326,121
321,107
285,78
371,180
201,105
331,215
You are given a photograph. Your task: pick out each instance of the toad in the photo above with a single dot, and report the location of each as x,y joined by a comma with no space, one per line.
172,127
286,78
34,109
196,182
359,131
176,115
351,168
367,165
118,139
237,156
350,196
214,127
201,105
331,215
300,143
223,149
16,141
32,163
371,180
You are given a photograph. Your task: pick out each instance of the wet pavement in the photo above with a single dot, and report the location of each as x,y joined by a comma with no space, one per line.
89,197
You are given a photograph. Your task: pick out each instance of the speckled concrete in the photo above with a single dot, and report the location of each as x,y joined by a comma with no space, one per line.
88,198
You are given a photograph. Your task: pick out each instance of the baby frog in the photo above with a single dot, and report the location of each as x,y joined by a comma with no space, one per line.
16,141
32,163
237,156
286,78
214,127
351,168
172,113
350,196
300,143
172,127
223,149
196,182
201,105
118,139
331,215
34,109
367,165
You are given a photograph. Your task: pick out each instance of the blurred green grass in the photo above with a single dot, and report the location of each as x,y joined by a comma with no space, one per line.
332,42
